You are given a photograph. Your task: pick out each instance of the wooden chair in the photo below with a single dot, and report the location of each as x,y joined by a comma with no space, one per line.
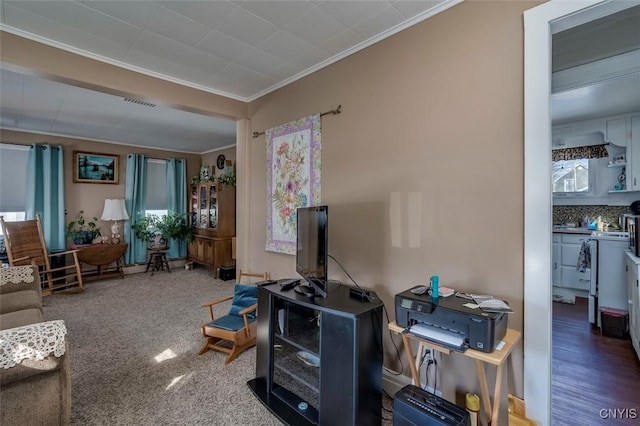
238,328
26,246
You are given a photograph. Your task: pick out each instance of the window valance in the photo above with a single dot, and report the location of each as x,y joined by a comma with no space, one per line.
593,151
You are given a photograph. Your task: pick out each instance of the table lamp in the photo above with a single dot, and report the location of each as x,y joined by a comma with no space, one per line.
116,211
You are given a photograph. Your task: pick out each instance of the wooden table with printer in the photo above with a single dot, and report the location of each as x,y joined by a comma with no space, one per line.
497,358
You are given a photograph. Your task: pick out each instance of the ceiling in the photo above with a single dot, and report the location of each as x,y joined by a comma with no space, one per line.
238,49
596,68
241,50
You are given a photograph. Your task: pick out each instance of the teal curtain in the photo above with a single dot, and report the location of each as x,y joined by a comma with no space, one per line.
134,198
45,192
177,201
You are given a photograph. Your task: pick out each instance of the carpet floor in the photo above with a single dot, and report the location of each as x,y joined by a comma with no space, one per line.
134,346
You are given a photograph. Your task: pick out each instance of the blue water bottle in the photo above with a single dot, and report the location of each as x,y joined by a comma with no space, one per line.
434,286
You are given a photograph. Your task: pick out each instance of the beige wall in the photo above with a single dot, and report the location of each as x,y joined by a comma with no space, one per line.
433,114
90,196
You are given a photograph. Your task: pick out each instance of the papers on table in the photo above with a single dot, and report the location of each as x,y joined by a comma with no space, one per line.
490,304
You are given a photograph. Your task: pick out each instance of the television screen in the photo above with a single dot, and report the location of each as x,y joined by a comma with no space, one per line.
312,247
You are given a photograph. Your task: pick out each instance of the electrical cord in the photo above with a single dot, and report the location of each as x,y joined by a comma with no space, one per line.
395,373
425,353
435,385
345,271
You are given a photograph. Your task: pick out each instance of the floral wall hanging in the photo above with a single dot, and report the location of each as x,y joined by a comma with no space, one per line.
293,178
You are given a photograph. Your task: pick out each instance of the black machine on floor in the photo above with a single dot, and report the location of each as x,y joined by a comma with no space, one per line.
227,273
413,406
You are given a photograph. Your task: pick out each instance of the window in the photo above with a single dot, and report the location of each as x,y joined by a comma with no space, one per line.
572,176
13,178
156,200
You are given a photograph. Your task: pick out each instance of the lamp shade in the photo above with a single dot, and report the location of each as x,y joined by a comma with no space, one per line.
114,210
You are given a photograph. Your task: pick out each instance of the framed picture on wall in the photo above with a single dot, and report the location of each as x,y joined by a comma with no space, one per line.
92,167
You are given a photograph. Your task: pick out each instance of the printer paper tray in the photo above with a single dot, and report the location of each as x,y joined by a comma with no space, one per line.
448,339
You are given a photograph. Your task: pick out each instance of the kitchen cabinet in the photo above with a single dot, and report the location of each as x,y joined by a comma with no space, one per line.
212,215
565,254
633,154
210,251
633,293
622,132
556,261
213,209
615,131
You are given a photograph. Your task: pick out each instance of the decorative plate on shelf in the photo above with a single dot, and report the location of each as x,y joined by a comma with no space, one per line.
309,359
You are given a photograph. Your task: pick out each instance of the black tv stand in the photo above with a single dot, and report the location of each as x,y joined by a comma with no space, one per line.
306,290
319,359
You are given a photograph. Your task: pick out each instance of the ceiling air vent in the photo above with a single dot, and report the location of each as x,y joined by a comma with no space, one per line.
139,102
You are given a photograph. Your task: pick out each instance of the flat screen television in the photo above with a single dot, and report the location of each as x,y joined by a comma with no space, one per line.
312,249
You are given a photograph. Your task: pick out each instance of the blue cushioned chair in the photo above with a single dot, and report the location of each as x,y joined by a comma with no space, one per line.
238,327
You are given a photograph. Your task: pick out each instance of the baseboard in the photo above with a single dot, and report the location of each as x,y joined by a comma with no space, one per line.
392,383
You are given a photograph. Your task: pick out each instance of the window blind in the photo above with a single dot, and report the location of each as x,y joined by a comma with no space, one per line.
13,177
156,185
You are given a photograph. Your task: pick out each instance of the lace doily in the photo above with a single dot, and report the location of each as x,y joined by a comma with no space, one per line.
16,274
33,341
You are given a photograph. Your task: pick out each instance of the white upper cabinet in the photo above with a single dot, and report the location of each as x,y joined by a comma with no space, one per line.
616,131
633,154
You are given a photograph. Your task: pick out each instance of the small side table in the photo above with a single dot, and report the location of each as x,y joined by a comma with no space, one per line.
157,259
497,358
101,255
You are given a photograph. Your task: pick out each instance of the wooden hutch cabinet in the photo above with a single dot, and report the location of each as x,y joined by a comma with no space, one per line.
212,214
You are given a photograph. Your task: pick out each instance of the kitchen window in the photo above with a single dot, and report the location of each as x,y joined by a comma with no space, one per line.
573,177
574,169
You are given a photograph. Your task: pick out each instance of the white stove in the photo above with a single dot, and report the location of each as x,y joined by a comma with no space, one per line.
610,235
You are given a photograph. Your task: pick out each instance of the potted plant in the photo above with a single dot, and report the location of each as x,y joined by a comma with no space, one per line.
156,230
174,225
81,231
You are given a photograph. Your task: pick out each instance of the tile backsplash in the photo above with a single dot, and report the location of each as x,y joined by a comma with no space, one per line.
609,214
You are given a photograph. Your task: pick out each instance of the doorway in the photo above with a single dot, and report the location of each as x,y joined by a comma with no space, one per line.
540,23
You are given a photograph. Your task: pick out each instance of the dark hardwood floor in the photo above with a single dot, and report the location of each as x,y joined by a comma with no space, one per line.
591,372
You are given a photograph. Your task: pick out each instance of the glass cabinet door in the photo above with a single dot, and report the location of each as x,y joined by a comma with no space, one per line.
213,207
204,207
296,357
194,207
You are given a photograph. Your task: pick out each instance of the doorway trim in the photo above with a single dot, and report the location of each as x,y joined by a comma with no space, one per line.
539,24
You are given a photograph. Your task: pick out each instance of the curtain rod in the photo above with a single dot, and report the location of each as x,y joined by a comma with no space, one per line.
332,112
159,159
